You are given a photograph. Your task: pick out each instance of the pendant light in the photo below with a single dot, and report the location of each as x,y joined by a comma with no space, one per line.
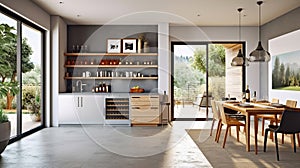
239,59
259,54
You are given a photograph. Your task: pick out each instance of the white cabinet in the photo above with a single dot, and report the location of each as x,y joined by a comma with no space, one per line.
81,109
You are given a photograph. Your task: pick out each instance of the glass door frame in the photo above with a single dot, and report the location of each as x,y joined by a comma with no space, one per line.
20,20
173,43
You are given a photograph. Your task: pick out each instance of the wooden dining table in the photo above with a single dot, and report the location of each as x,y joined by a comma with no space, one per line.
253,110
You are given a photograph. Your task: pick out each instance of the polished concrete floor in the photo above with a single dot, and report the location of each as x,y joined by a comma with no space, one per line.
108,147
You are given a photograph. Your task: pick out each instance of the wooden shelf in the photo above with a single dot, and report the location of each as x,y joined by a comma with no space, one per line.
111,78
111,66
110,54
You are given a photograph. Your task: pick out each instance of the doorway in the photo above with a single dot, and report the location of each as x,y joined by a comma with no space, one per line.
202,71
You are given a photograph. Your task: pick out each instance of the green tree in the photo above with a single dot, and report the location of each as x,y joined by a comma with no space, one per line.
287,76
275,73
216,62
8,61
281,78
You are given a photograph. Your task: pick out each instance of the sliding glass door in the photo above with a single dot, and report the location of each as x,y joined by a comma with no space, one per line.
201,72
22,48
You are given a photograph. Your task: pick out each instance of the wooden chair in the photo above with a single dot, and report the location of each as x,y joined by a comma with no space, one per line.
216,116
202,99
289,124
229,122
265,117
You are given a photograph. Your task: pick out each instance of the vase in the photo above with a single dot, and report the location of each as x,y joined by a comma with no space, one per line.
5,135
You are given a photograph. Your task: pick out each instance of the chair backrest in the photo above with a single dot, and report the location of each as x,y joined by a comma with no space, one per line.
289,122
203,101
215,110
275,100
222,113
291,103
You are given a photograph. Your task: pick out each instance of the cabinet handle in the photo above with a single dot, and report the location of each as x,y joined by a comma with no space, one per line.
154,107
135,108
135,97
77,101
81,101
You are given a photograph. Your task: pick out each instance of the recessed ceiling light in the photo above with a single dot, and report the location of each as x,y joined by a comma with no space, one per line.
198,15
61,2
78,15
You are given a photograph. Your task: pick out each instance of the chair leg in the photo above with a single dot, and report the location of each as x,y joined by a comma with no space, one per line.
262,127
237,133
219,133
298,139
265,140
212,126
225,137
294,142
276,144
218,129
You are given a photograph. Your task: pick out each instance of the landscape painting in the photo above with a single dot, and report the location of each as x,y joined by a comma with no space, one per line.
286,71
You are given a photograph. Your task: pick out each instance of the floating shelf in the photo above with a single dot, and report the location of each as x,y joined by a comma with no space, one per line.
111,78
111,54
111,66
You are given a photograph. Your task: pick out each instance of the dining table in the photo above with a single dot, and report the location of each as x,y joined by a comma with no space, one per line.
253,109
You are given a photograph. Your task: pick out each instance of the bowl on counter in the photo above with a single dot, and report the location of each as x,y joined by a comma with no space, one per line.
139,90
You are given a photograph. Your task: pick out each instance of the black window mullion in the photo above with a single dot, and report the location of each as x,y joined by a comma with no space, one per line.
19,77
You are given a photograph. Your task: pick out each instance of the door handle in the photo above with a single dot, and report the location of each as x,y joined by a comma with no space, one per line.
81,101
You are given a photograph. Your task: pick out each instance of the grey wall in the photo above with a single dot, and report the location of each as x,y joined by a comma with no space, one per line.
277,27
95,36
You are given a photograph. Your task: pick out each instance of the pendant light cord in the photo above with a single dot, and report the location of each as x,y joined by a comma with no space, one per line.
240,10
259,4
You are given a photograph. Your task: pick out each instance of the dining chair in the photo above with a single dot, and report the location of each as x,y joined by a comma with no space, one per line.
229,122
265,117
216,117
289,103
289,124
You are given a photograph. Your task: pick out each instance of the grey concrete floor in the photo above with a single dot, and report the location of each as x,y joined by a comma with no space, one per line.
108,147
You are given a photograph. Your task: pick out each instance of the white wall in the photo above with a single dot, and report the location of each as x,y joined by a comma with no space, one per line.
59,47
215,34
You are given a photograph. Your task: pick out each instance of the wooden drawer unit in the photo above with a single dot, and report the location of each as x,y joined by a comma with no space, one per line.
144,109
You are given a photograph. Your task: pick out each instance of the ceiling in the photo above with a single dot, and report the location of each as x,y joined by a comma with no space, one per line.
175,12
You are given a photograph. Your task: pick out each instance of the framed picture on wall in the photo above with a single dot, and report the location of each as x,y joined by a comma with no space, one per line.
129,45
113,45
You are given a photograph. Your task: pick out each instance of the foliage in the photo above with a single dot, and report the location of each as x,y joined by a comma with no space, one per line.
8,60
32,77
3,117
216,62
29,93
8,87
34,106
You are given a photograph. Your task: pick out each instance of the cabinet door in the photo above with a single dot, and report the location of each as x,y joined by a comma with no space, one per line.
67,108
91,109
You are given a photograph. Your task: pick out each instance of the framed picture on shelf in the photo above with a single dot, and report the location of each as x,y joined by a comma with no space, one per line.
129,45
113,45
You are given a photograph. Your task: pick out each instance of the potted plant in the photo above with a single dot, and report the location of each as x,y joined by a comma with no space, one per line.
5,126
34,107
5,131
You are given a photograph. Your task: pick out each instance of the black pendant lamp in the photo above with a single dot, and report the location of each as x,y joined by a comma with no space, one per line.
259,54
239,60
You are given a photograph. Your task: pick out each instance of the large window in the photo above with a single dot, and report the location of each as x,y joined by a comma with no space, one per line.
202,71
21,62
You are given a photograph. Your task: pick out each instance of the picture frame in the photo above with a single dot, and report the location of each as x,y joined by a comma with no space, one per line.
113,46
129,45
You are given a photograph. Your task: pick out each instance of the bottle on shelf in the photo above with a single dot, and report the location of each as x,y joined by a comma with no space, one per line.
103,87
100,87
254,96
247,91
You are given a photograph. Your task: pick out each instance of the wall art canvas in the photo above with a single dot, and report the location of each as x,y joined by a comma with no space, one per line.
286,71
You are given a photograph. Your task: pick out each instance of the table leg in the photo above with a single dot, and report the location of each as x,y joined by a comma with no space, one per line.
247,132
255,132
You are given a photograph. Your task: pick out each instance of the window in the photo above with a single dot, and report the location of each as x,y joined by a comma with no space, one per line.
22,63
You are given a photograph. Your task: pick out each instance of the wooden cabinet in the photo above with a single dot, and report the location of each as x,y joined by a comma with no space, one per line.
81,109
145,110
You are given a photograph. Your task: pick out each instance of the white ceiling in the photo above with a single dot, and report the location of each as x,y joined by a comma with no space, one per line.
175,12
